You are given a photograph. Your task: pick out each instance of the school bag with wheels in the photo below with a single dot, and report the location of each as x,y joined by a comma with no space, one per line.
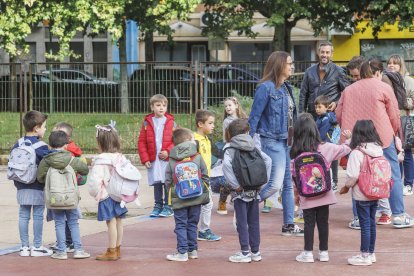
187,177
22,165
374,179
311,174
61,188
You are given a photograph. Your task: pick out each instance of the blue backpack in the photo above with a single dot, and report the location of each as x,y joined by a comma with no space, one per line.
187,178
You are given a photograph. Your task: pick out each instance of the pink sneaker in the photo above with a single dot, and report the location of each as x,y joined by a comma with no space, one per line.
384,219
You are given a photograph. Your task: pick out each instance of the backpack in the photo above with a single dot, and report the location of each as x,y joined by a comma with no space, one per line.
334,134
311,174
187,177
398,86
249,168
61,189
22,165
375,180
124,181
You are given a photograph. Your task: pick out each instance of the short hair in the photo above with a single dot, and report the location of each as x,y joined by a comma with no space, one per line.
33,119
202,116
325,43
181,135
355,62
323,100
66,127
238,126
370,67
158,98
58,139
108,139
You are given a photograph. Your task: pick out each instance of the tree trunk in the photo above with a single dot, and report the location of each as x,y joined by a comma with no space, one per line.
149,59
278,43
124,75
149,46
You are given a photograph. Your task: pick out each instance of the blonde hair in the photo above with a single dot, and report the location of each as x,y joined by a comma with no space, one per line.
239,110
397,59
158,98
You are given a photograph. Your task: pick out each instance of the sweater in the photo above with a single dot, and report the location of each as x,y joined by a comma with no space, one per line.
204,148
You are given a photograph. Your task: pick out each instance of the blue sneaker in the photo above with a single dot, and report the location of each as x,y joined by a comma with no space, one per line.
166,212
266,209
207,235
156,211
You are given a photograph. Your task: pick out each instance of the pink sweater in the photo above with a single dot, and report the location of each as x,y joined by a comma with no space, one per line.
331,152
370,99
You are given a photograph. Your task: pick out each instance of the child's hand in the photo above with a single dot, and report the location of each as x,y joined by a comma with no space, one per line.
148,164
163,155
344,190
347,133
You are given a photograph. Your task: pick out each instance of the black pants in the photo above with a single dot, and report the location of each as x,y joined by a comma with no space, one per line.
320,215
334,167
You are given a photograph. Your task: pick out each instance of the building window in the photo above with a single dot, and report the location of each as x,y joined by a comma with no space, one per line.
250,51
100,54
175,52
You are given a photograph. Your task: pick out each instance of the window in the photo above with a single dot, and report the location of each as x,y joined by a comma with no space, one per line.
250,51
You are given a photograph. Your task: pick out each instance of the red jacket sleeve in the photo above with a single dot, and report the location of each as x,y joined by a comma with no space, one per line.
142,145
74,149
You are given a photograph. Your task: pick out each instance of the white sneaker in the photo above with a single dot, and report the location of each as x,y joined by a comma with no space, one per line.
178,257
193,254
402,221
305,257
323,256
373,257
240,258
40,251
360,260
256,257
407,190
59,255
81,254
24,251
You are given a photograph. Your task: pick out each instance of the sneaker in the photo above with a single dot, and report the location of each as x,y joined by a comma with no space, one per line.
166,212
305,257
40,251
360,260
299,219
354,224
178,257
54,247
59,255
402,221
207,235
240,258
266,209
81,254
384,219
193,254
292,230
323,256
24,251
334,187
256,257
407,190
156,211
70,248
222,208
373,257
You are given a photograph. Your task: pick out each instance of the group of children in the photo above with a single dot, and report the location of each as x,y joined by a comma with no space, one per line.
179,162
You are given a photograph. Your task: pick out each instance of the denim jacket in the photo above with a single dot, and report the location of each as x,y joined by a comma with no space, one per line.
269,114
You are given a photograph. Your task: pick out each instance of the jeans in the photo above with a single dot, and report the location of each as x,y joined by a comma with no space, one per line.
219,185
396,195
24,218
366,214
72,217
280,176
160,192
407,168
248,226
320,215
186,220
68,235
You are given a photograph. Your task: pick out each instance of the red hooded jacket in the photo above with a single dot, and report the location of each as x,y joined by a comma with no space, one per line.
147,146
74,149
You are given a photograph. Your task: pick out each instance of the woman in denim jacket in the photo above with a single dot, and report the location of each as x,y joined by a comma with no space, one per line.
273,114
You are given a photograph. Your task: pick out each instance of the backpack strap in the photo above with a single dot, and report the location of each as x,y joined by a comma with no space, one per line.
39,144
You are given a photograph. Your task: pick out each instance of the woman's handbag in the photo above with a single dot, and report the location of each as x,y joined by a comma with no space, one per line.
407,127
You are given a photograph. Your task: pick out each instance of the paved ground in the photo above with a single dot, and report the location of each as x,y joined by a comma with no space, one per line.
147,241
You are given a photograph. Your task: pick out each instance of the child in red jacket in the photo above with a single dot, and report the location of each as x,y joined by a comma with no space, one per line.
154,145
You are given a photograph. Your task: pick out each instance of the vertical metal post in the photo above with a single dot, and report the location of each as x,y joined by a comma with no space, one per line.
50,74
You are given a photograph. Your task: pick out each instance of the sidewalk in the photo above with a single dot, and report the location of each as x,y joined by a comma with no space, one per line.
147,241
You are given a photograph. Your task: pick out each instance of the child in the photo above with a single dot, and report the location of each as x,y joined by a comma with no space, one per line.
246,203
326,122
364,138
108,209
186,211
154,145
31,196
59,158
205,126
315,209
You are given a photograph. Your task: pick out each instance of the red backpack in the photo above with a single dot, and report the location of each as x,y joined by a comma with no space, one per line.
375,180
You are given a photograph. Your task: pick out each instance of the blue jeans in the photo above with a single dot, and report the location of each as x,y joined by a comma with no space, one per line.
71,217
24,218
186,220
366,214
248,225
280,176
407,168
396,196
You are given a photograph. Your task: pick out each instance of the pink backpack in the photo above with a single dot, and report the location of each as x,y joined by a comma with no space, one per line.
375,180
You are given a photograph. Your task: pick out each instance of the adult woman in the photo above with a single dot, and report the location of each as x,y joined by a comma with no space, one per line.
372,99
396,64
273,114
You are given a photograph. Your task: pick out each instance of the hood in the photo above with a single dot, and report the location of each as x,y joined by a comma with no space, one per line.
372,149
58,159
167,115
183,150
243,142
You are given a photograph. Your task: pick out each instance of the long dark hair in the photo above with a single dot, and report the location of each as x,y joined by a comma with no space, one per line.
274,67
306,135
364,132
